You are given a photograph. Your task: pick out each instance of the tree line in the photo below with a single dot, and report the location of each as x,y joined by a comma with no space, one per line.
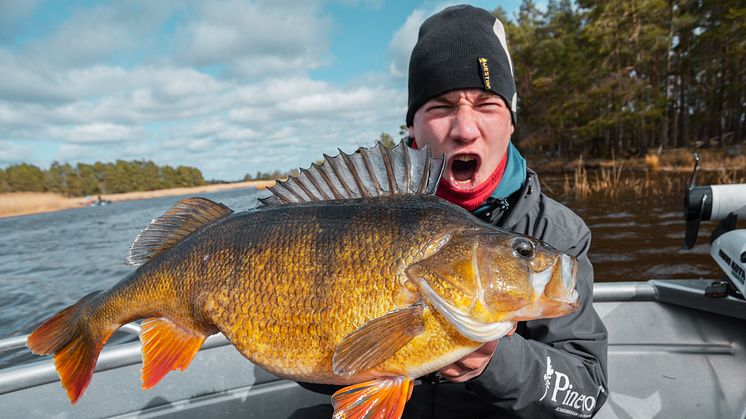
98,178
608,76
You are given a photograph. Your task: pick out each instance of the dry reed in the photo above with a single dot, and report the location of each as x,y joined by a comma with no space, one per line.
607,181
653,162
19,203
613,181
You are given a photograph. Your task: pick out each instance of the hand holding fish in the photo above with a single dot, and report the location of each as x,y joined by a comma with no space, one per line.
473,364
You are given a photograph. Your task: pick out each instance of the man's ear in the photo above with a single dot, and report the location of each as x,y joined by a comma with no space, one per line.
512,129
411,141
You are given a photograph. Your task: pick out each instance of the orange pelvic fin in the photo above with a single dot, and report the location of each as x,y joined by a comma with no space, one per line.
166,346
74,347
382,398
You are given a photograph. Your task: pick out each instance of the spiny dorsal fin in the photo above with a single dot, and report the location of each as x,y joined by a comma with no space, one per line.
368,172
179,221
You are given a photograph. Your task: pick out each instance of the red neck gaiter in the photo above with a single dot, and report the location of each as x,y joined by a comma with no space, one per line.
474,198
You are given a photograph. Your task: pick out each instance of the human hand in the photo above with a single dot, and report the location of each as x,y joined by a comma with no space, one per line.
471,365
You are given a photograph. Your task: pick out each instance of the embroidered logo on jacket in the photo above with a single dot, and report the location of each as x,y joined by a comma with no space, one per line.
568,401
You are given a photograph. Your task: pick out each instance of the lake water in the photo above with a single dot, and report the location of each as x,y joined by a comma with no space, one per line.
48,261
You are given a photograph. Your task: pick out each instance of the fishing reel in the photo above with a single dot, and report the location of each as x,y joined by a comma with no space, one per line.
723,203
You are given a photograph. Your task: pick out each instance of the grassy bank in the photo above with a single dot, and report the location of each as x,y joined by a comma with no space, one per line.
24,203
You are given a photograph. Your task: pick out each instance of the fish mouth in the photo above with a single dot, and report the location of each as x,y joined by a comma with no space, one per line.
569,270
462,170
463,322
569,275
540,279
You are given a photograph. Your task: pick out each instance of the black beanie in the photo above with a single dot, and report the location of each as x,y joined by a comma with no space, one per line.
461,47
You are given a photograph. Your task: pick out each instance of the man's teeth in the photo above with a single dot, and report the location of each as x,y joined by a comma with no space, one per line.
464,158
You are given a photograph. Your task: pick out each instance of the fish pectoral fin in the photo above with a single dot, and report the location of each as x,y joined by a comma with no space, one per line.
377,340
181,220
166,346
381,398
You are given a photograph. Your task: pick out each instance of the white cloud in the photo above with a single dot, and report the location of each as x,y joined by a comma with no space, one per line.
14,153
99,33
254,39
403,42
405,38
331,104
96,133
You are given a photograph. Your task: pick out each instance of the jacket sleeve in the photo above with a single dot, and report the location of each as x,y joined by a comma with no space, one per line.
552,367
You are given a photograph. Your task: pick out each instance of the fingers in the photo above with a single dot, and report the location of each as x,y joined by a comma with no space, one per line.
457,373
452,372
487,349
471,365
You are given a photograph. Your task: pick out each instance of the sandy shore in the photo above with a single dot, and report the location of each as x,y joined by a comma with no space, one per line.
24,203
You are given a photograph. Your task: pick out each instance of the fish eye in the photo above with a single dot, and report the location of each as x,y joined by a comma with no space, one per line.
523,248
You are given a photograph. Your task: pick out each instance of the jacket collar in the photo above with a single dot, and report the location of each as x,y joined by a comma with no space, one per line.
506,213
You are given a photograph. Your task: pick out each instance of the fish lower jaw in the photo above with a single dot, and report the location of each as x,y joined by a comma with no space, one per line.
467,325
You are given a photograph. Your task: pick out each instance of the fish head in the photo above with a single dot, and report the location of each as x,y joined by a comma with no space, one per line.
483,282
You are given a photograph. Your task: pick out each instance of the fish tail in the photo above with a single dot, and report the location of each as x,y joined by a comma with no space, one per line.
74,344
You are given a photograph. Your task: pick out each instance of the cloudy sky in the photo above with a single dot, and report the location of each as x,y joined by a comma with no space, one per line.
230,87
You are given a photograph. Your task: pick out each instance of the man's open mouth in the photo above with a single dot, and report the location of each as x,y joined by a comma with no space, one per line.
463,167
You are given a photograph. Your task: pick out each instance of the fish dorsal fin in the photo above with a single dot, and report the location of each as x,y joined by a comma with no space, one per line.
182,219
368,172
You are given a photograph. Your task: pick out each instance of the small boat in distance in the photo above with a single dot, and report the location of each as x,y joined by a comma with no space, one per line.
98,202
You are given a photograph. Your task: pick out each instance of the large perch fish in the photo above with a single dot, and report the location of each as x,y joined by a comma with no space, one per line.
353,273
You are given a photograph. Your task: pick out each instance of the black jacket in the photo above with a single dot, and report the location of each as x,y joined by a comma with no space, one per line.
549,367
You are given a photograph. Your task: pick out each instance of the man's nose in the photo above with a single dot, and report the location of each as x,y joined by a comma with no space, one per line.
464,127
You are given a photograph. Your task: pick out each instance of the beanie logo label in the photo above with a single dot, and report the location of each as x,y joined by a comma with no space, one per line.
485,73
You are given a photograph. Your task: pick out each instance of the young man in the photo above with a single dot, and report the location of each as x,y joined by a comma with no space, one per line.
462,103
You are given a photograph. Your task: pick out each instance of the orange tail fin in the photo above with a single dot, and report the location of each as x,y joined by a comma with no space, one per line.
74,347
166,346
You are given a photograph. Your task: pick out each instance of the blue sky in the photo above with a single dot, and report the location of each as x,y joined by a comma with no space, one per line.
230,87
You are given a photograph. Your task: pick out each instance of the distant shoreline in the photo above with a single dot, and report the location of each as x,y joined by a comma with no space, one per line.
27,203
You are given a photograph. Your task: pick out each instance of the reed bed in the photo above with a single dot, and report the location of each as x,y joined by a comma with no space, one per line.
615,181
